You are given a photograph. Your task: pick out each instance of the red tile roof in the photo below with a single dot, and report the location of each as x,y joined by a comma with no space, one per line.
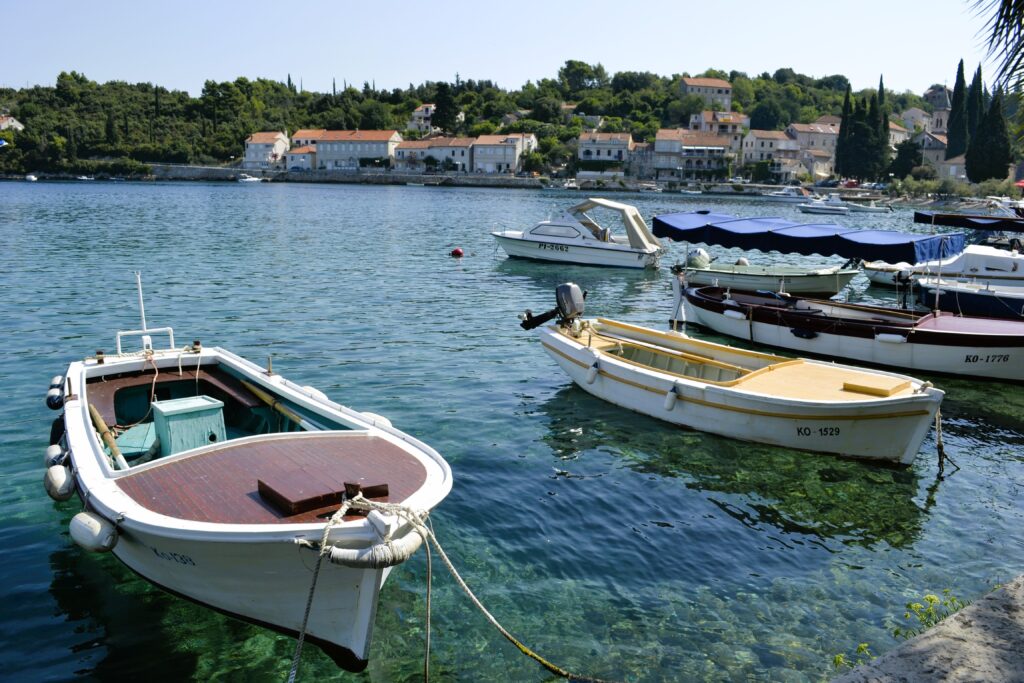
707,83
310,133
897,127
265,138
769,134
305,149
415,144
357,135
814,128
605,137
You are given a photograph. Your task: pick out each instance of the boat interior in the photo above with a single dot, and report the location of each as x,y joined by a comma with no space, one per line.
207,445
836,309
784,378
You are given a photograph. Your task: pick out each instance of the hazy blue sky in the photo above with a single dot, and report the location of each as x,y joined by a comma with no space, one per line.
181,43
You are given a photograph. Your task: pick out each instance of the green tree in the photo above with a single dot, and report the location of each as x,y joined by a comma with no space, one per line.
975,105
956,133
843,139
908,156
767,115
446,112
989,154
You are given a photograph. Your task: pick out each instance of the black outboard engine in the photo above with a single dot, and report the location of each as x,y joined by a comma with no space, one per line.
570,299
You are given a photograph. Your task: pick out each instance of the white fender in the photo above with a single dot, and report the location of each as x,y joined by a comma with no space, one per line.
92,532
386,554
59,482
891,338
54,455
670,399
593,371
734,314
380,419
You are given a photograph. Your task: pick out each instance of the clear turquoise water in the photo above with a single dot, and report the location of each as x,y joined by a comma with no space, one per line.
614,544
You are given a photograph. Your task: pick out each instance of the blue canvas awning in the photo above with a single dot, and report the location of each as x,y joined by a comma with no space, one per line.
788,237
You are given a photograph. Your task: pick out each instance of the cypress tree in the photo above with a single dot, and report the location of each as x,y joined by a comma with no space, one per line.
842,141
956,134
975,106
989,155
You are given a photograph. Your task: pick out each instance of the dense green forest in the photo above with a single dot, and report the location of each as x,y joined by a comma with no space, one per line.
80,125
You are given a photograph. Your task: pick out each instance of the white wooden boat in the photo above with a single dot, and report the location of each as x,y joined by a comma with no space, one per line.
997,267
576,237
826,281
205,474
905,339
746,395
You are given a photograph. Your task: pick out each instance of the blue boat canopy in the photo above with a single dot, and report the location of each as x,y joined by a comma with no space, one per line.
826,239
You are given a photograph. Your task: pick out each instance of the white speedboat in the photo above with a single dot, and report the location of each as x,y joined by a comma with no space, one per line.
746,395
246,178
31,178
869,207
85,177
789,194
575,237
979,262
833,205
216,479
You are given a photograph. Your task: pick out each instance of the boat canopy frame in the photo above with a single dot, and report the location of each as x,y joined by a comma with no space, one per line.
640,236
767,233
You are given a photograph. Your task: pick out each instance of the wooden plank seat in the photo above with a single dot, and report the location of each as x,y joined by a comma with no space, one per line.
221,484
213,381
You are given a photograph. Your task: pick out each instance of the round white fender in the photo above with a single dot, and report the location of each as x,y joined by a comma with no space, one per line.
378,418
734,314
59,482
54,455
380,555
92,532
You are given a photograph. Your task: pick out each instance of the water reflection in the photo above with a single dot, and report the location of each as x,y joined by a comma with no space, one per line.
768,488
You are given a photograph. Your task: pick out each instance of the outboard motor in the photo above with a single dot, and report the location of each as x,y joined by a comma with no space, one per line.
570,299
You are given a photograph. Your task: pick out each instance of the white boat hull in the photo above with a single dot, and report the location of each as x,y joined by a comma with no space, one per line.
875,429
976,263
998,362
263,581
748,278
617,255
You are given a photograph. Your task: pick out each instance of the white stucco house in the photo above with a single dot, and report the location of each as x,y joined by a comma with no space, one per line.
265,150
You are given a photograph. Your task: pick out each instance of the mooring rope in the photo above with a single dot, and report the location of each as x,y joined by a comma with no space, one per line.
419,523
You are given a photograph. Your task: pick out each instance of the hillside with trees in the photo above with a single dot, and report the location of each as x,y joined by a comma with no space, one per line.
80,125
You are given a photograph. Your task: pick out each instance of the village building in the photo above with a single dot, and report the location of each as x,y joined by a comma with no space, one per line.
441,153
818,163
610,147
351,149
897,134
814,136
306,136
682,154
265,150
726,123
766,145
9,122
502,153
715,92
301,158
939,98
916,119
422,119
933,148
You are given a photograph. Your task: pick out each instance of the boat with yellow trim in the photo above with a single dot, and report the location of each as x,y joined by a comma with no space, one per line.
747,395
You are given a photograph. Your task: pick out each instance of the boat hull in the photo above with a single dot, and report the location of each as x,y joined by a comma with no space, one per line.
977,263
271,590
875,343
753,278
580,254
965,299
883,430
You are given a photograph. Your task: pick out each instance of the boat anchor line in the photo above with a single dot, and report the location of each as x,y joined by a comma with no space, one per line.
389,551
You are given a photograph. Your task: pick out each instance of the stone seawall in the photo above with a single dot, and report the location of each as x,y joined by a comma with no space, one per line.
179,172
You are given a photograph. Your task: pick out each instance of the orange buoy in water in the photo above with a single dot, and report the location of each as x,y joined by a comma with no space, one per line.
457,252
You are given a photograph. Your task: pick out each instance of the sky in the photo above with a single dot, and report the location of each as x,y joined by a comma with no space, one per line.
391,44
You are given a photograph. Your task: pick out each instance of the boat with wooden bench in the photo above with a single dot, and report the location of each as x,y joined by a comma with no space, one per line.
218,480
747,395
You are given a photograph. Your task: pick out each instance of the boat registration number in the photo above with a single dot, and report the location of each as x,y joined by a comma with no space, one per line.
820,431
991,358
173,557
553,247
